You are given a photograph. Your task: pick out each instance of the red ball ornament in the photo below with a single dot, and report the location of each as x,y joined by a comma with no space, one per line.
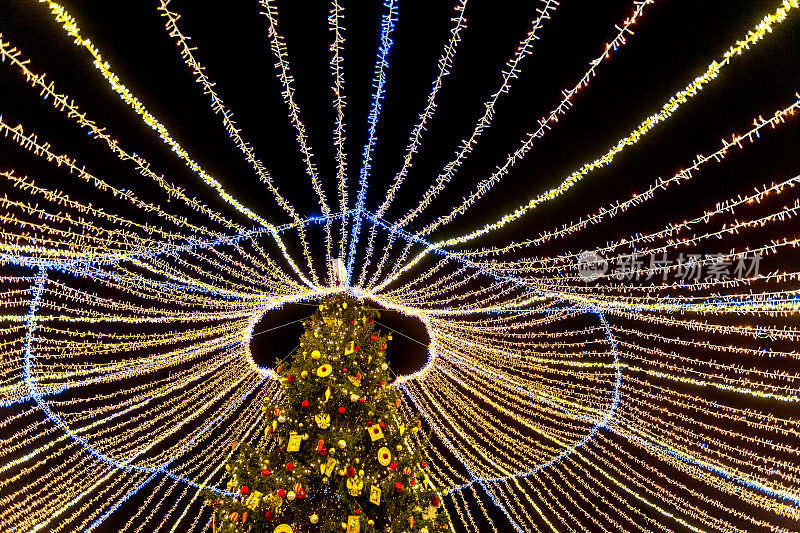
412,481
358,511
351,471
374,337
269,431
344,371
383,383
342,410
398,487
382,424
362,400
369,423
423,464
289,466
291,378
370,321
281,493
435,501
353,322
305,403
355,348
392,466
244,490
268,515
266,472
358,375
301,494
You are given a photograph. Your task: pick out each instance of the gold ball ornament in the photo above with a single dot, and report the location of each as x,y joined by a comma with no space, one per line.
291,495
313,518
315,354
341,444
283,528
384,366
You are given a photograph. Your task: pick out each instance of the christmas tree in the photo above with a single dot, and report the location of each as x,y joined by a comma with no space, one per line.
338,454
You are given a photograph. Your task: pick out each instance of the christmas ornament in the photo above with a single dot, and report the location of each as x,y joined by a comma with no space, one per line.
294,444
324,371
354,486
322,420
328,467
313,518
283,528
384,456
375,432
375,495
253,500
353,524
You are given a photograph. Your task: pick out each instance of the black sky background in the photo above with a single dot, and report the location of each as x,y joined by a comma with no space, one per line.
674,42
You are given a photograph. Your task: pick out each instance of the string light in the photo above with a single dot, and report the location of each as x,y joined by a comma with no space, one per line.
617,404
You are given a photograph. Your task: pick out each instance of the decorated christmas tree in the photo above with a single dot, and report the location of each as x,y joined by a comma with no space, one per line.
338,454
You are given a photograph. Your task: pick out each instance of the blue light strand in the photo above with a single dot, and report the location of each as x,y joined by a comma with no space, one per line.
379,82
